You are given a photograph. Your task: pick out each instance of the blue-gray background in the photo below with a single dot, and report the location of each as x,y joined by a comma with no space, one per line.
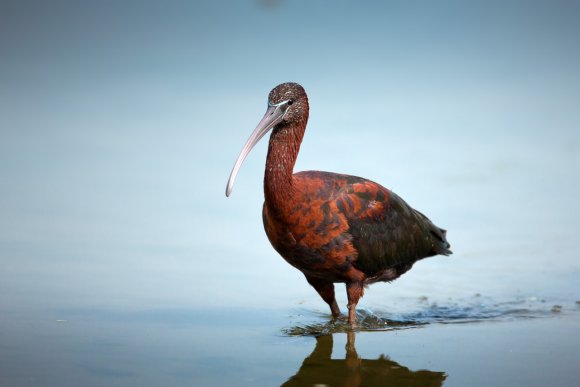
120,121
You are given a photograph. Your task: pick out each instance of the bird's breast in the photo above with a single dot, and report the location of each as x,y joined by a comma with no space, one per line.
312,236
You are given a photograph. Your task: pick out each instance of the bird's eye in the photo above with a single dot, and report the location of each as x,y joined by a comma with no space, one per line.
290,102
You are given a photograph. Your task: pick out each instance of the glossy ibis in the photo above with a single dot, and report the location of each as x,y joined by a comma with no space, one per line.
333,227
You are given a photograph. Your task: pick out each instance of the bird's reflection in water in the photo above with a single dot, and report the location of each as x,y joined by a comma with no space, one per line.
318,369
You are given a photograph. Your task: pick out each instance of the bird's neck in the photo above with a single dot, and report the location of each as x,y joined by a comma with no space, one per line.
283,150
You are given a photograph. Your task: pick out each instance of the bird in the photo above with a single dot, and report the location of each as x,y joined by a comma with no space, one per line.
334,228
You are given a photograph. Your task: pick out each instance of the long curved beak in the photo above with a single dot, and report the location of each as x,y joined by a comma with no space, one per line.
273,116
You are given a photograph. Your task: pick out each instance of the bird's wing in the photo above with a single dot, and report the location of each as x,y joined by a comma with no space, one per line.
385,230
382,229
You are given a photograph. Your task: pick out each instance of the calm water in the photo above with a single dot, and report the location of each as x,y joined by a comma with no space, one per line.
123,264
175,347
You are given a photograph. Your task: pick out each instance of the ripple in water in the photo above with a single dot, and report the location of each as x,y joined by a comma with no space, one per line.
455,313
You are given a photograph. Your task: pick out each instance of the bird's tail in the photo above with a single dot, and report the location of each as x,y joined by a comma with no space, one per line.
443,246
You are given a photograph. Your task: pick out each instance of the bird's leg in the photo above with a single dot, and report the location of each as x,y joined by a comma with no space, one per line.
354,291
326,291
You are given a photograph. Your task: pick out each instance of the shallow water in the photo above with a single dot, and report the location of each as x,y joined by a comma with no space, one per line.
524,343
122,262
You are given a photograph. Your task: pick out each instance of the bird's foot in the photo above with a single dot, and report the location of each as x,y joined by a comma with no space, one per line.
334,310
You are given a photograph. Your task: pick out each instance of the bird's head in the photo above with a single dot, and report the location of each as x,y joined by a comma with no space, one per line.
293,98
287,112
